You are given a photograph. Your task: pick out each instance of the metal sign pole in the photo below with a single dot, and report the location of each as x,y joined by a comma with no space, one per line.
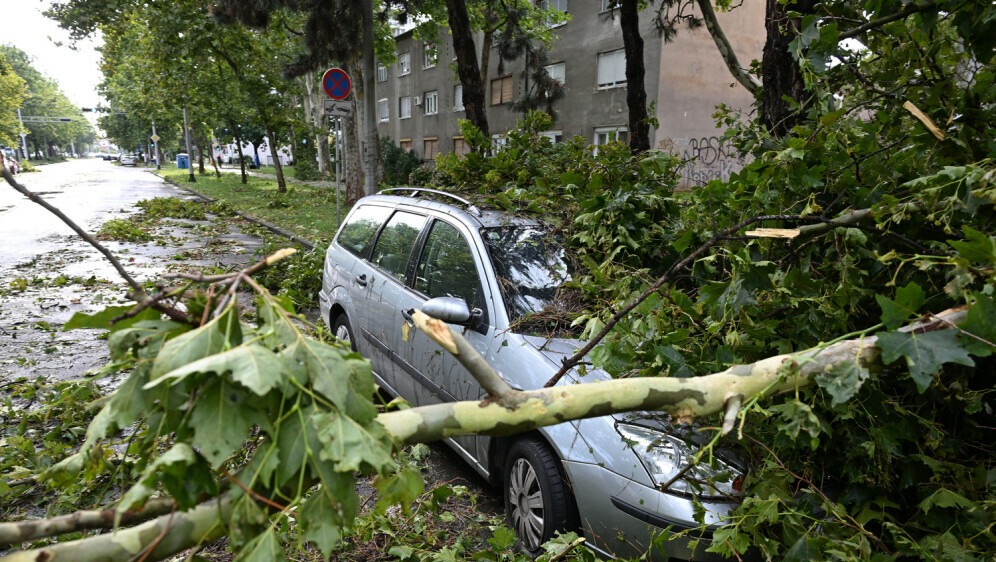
338,171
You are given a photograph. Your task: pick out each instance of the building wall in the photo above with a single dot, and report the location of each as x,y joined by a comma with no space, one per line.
686,79
694,80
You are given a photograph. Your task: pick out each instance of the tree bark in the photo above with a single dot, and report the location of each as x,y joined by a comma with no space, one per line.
272,143
238,147
467,68
742,75
781,74
636,92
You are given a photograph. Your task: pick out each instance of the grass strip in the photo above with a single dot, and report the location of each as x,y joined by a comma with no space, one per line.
309,212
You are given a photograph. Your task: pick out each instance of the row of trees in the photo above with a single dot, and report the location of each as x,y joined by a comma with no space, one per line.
24,88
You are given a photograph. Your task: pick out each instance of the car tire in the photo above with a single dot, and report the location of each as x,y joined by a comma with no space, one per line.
342,331
538,500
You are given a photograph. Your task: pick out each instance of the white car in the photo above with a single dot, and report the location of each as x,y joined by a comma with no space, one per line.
127,160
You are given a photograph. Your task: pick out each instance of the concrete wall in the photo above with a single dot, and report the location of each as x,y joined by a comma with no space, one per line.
687,78
694,80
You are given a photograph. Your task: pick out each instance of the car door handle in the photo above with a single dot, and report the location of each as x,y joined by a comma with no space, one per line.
407,314
361,280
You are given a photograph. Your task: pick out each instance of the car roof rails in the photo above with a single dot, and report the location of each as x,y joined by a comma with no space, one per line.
471,208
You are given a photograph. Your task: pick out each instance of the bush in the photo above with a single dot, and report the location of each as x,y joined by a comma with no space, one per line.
398,164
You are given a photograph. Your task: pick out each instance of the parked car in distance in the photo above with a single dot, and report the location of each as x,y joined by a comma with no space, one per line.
128,160
107,157
484,272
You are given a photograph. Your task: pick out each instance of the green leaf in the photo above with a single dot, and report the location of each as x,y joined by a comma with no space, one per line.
339,375
842,381
102,319
221,420
352,446
265,547
214,337
254,366
978,249
318,513
944,497
980,322
924,353
401,488
908,301
180,455
805,549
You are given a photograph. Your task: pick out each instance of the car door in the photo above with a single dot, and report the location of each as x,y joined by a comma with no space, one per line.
386,276
348,267
447,266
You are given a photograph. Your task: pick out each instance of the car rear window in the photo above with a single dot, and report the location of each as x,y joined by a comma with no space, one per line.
361,226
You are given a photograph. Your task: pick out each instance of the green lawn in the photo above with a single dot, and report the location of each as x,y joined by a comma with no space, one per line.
304,210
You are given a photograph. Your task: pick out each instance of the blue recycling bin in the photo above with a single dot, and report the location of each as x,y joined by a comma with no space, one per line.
182,161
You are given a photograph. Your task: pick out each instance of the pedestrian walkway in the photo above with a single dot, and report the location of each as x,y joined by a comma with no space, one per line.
321,184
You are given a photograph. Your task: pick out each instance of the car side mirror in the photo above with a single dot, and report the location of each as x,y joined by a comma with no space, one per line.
451,310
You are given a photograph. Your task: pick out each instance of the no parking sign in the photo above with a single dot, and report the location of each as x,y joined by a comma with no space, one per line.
336,83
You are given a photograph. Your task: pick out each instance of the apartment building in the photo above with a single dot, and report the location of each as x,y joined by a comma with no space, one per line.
420,97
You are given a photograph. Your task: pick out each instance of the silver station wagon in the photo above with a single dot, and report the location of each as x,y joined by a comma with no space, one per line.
601,476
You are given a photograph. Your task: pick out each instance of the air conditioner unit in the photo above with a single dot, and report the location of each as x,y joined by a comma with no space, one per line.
418,100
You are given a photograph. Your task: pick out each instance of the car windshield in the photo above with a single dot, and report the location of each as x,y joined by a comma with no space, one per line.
531,266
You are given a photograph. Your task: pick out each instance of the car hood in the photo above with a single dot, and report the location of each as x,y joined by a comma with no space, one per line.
556,350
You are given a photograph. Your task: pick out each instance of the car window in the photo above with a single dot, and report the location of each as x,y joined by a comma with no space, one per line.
447,267
394,245
531,266
361,227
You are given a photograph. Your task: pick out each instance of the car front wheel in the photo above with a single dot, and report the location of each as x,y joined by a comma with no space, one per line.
538,501
343,332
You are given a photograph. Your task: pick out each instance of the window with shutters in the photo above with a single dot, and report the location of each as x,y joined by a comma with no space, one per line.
382,110
555,136
429,55
404,64
430,148
612,69
557,71
404,107
460,146
501,90
405,144
381,73
558,6
431,103
605,135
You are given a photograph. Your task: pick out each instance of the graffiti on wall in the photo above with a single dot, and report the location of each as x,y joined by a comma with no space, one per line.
707,158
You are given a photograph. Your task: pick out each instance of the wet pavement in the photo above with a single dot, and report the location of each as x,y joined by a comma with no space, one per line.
47,273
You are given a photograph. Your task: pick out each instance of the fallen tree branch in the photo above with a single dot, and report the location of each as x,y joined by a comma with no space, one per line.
25,531
684,398
741,74
493,384
179,532
910,9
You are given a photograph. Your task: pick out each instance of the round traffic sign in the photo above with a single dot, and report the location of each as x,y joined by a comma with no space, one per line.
336,83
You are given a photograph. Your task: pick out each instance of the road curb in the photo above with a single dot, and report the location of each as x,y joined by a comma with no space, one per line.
272,227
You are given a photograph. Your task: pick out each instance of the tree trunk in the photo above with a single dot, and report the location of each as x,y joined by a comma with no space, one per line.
272,143
313,115
238,146
467,68
351,161
636,93
780,72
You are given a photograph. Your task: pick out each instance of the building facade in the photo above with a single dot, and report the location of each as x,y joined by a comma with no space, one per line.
420,104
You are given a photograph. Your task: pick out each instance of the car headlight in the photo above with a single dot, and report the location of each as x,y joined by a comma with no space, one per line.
664,456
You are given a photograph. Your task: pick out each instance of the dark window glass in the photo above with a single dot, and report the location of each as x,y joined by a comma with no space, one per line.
447,267
531,267
394,245
361,227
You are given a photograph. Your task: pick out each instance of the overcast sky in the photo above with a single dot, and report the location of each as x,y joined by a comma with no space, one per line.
23,26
